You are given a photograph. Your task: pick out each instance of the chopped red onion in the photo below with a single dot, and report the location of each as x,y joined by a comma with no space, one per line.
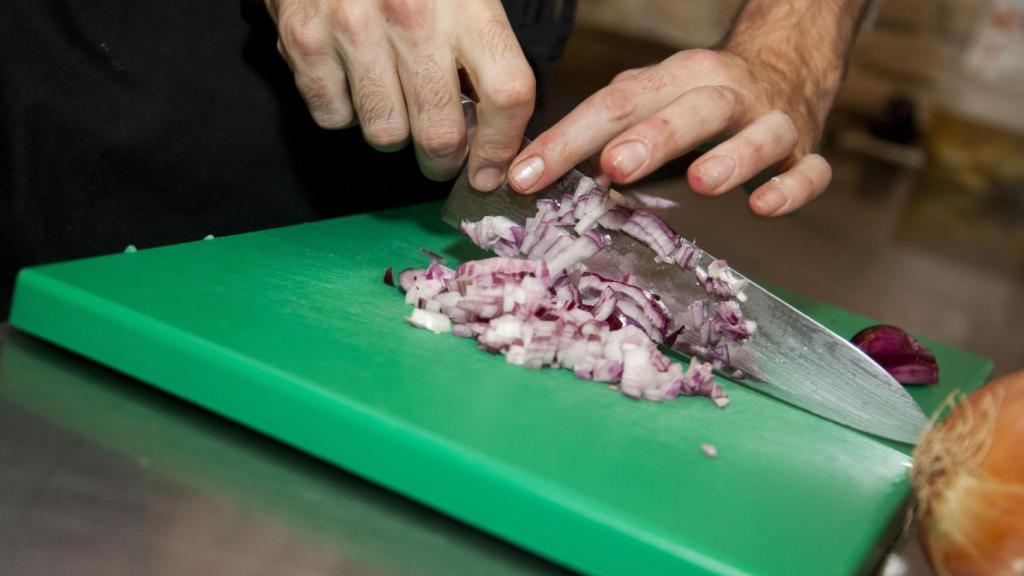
584,186
589,208
388,278
492,230
547,310
653,231
584,247
518,308
699,380
615,217
719,281
686,255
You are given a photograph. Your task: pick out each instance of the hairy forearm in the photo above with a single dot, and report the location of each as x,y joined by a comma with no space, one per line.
802,44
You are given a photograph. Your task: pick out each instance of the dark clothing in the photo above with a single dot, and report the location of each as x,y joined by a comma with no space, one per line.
159,122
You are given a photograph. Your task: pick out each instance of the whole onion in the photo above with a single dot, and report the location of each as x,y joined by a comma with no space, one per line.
969,478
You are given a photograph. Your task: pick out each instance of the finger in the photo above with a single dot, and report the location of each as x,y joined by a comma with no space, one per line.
690,119
373,77
306,45
379,102
765,141
587,129
627,74
506,88
431,88
804,182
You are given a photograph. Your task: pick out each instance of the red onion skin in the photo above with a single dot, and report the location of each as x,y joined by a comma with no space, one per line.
907,360
388,278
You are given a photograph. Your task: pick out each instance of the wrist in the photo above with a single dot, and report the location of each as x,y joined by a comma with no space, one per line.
804,86
797,50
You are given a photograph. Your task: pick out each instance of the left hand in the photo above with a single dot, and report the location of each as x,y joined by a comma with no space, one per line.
651,115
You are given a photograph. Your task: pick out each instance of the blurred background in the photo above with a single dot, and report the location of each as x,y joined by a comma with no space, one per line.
923,225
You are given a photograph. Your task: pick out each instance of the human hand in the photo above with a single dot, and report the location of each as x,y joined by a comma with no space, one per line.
392,66
648,116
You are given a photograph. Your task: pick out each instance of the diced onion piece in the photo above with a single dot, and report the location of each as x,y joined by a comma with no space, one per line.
653,231
433,321
408,277
491,230
589,209
615,217
584,247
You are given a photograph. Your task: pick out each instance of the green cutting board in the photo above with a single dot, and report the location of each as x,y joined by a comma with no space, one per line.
291,332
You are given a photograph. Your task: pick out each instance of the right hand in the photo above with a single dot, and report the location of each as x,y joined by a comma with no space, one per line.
392,66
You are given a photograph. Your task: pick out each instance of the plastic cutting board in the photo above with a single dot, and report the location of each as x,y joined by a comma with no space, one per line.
291,332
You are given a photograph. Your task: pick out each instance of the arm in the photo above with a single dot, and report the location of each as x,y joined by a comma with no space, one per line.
392,67
766,92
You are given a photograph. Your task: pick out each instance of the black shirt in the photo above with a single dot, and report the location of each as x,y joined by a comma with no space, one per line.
153,123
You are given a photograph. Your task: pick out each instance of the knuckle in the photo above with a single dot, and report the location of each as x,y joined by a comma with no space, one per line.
442,139
517,93
557,152
751,150
722,97
663,132
496,150
625,75
698,58
408,14
349,18
785,122
386,134
617,103
303,37
651,79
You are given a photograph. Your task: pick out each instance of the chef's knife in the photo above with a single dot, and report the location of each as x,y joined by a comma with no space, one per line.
791,357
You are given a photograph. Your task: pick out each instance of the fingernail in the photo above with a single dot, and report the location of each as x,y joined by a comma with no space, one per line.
487,178
771,200
526,173
629,157
716,170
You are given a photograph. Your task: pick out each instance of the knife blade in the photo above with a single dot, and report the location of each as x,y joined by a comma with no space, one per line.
791,357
